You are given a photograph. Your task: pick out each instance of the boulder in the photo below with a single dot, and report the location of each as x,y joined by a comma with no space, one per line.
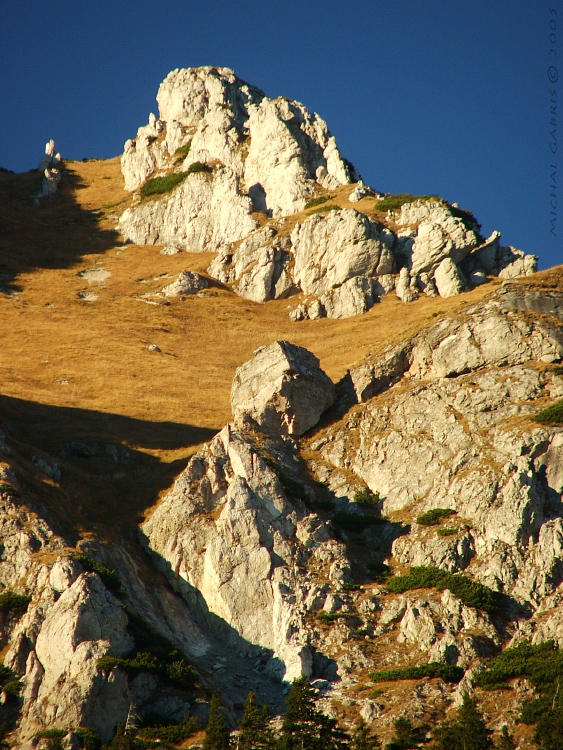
331,248
282,389
186,283
353,297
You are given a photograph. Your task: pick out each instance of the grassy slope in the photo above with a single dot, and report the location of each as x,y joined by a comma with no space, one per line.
72,369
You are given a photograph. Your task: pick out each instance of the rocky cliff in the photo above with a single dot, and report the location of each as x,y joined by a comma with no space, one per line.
237,162
400,510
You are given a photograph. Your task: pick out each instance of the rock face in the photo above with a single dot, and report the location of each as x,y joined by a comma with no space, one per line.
282,389
448,439
235,152
267,155
239,571
270,569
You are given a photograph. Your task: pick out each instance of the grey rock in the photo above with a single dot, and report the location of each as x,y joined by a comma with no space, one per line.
186,283
282,389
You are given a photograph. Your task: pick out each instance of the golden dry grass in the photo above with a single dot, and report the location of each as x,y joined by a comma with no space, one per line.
73,368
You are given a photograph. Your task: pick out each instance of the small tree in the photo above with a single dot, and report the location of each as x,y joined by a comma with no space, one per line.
406,736
362,740
255,732
305,727
217,734
468,732
506,740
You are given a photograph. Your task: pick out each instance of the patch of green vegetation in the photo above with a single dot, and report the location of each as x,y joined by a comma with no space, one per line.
377,693
174,733
541,664
12,602
447,531
470,592
366,497
325,209
350,586
317,201
446,672
434,516
392,202
199,166
46,734
182,151
329,617
108,575
466,216
7,489
557,370
154,654
160,185
380,571
90,740
13,689
552,415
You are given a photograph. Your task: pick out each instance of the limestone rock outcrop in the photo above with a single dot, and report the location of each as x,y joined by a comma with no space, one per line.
448,439
233,156
50,166
282,389
267,155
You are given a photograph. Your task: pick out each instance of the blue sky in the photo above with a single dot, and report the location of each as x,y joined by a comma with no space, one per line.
428,97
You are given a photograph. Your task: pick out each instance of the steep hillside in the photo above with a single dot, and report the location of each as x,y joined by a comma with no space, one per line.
372,494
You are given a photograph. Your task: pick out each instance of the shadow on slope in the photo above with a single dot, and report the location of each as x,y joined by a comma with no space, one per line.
56,234
93,471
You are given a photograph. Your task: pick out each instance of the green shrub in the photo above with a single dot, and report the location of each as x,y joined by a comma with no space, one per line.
317,201
434,516
199,166
557,370
541,664
7,489
159,185
12,602
447,672
154,654
13,688
366,497
470,592
182,151
325,209
174,733
90,740
552,415
446,531
391,202
330,617
108,575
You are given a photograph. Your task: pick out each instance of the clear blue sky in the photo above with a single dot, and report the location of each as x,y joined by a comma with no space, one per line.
423,96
